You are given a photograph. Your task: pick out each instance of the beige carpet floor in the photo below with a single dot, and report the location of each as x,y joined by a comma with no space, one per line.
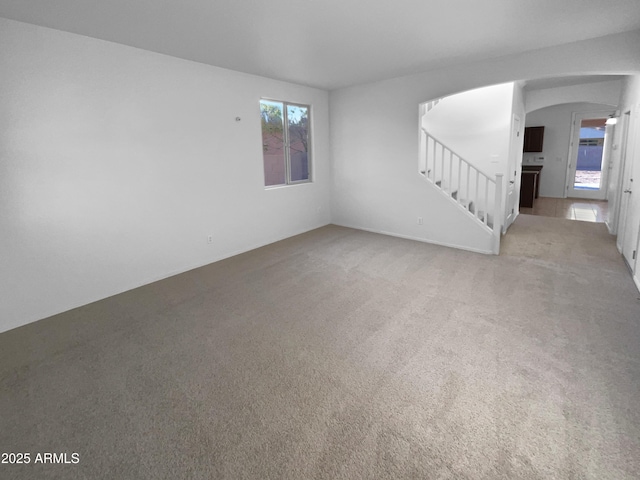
342,354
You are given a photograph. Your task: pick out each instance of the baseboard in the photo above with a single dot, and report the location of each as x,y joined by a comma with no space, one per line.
215,259
417,239
636,281
151,280
504,231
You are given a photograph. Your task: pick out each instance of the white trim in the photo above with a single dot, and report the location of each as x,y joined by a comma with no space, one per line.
627,166
574,141
609,227
514,163
287,185
417,239
173,273
287,143
622,137
504,232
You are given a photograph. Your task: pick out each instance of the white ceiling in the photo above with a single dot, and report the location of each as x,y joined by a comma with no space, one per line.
332,43
567,81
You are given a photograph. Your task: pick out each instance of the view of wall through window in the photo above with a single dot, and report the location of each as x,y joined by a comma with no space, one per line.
285,142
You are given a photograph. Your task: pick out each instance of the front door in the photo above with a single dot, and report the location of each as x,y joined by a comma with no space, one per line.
587,173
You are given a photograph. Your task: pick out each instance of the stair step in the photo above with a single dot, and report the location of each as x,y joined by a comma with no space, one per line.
489,219
470,206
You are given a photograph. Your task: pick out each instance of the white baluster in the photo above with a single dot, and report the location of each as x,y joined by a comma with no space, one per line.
476,193
497,214
468,197
459,178
435,179
486,201
450,173
442,166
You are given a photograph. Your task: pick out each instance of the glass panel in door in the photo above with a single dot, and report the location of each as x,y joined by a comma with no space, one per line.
588,174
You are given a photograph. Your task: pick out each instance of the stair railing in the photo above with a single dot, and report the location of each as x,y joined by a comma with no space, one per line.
433,103
465,184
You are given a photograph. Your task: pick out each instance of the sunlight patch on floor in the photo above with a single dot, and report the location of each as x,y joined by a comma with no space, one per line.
570,208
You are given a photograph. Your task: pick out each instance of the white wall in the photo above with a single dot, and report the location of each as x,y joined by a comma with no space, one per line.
476,125
375,143
515,148
377,185
629,101
117,163
607,93
557,137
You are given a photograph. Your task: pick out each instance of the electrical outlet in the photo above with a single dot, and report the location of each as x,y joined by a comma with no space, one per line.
210,239
419,220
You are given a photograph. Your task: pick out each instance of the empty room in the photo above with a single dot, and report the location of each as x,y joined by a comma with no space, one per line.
319,240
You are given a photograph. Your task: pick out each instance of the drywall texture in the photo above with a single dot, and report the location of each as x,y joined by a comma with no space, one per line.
557,136
628,168
514,167
116,164
607,93
476,125
375,141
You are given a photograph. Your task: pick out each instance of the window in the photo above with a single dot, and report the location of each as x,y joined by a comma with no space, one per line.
285,143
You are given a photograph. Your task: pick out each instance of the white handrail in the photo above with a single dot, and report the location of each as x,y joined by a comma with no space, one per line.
465,161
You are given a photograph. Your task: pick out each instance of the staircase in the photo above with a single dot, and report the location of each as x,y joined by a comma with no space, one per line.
472,190
432,104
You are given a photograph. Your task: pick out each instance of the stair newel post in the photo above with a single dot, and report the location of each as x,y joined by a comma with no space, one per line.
498,214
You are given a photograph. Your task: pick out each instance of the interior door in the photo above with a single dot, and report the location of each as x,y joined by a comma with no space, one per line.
587,168
631,225
629,203
513,179
617,215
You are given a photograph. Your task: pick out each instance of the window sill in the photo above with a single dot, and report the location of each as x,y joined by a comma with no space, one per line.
278,187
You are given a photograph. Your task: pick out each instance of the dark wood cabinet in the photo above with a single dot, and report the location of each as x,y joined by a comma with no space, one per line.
534,168
528,183
533,139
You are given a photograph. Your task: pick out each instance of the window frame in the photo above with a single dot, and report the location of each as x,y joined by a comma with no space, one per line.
287,144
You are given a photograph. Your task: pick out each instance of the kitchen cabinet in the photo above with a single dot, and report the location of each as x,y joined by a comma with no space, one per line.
534,168
533,139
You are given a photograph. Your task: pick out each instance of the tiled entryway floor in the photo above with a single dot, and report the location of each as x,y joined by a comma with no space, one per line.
570,208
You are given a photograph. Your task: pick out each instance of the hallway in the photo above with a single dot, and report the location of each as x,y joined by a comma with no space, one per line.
570,208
